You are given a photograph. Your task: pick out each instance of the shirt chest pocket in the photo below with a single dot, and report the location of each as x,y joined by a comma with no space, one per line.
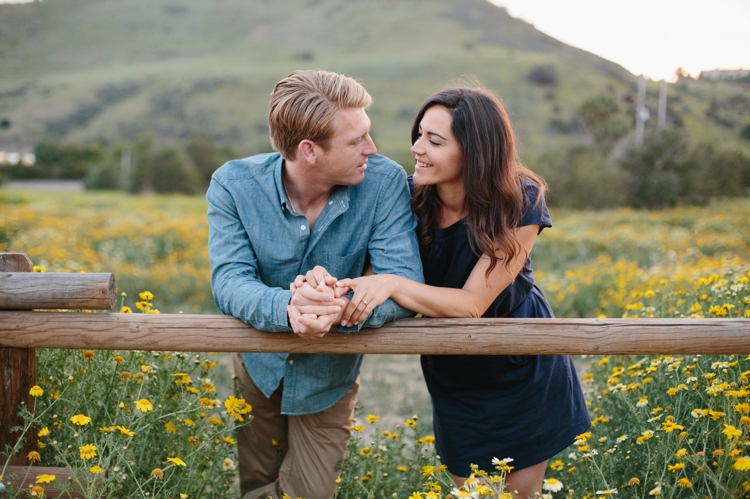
344,266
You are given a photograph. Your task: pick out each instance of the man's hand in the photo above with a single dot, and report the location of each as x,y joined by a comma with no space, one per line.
310,326
312,311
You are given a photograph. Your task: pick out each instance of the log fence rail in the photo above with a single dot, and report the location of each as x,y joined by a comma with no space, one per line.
23,330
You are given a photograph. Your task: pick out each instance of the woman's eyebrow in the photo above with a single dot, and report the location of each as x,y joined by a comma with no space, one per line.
435,133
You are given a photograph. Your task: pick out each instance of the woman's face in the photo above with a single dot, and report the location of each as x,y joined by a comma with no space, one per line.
438,153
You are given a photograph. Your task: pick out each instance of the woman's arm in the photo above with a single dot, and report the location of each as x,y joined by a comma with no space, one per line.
472,300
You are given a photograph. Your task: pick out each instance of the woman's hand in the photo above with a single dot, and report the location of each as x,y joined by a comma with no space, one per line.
369,292
314,277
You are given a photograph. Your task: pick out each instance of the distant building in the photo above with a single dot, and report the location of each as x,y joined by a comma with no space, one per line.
13,158
724,74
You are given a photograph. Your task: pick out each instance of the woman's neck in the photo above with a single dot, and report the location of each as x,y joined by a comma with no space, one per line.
452,204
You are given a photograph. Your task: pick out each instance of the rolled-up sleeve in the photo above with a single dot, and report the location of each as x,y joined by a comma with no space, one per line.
237,288
393,246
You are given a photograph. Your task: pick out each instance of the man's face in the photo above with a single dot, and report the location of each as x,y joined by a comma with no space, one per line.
345,161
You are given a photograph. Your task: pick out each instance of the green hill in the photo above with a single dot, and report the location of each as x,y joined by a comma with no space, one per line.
106,70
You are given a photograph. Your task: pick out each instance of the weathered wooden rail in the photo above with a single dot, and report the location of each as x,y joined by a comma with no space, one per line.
21,331
192,333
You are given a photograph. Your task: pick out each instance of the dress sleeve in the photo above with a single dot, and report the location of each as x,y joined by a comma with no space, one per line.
535,210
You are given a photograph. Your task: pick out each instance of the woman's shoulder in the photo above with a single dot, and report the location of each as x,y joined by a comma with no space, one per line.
534,205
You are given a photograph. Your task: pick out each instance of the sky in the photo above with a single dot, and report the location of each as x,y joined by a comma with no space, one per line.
649,37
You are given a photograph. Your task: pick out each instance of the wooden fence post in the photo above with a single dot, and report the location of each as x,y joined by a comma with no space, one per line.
18,375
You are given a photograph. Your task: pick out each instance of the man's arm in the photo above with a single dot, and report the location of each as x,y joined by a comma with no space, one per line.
393,246
236,285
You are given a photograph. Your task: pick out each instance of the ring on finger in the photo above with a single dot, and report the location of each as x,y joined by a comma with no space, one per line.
364,301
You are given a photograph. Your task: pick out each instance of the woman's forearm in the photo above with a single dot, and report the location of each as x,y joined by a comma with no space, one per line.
433,301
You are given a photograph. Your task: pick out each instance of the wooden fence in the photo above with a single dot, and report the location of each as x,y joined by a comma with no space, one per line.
22,330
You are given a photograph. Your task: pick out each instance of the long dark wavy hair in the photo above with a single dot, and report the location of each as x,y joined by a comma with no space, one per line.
493,176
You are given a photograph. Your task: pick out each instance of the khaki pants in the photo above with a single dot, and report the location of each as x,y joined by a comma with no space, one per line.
308,448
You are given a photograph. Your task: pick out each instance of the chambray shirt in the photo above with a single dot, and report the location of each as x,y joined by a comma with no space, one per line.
258,245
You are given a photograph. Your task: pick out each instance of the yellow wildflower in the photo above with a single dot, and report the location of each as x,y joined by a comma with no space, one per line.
36,391
685,483
87,451
80,419
731,432
176,461
88,355
96,469
428,471
157,473
34,456
143,405
552,484
372,418
45,478
675,467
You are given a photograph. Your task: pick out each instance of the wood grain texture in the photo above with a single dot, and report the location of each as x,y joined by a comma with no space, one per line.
25,476
15,262
51,290
409,336
17,374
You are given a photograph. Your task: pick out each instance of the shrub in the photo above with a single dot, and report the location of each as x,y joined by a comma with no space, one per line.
169,173
662,172
543,75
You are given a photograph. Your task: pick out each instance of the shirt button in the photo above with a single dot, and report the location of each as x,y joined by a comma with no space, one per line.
330,202
302,227
291,362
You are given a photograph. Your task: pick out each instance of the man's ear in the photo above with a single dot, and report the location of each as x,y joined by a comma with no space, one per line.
306,148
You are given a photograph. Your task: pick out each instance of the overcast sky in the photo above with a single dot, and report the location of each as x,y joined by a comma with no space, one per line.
650,37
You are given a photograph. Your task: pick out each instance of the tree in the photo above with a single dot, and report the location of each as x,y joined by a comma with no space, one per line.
601,118
206,157
662,173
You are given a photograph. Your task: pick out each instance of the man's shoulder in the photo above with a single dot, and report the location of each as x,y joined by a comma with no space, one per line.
380,168
247,168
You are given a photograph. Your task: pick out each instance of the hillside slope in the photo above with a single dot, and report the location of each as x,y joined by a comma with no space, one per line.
107,70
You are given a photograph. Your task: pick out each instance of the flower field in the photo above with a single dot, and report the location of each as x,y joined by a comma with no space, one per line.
161,424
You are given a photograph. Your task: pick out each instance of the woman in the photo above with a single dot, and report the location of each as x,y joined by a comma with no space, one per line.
472,197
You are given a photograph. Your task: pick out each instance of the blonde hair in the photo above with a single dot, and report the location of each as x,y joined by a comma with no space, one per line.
304,104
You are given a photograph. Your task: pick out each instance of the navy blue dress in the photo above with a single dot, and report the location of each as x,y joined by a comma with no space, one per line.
527,408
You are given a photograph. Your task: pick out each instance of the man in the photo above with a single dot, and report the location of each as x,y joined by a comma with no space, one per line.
275,216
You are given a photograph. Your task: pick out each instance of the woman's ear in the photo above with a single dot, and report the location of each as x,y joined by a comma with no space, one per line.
306,149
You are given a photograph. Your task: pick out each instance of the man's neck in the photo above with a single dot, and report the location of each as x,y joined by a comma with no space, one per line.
306,194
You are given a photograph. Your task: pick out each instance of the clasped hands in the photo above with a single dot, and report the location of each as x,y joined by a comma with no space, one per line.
319,300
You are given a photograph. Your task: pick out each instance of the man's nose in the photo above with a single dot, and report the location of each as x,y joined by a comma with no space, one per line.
370,148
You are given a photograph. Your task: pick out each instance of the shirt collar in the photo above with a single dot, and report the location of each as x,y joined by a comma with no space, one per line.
340,193
277,168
